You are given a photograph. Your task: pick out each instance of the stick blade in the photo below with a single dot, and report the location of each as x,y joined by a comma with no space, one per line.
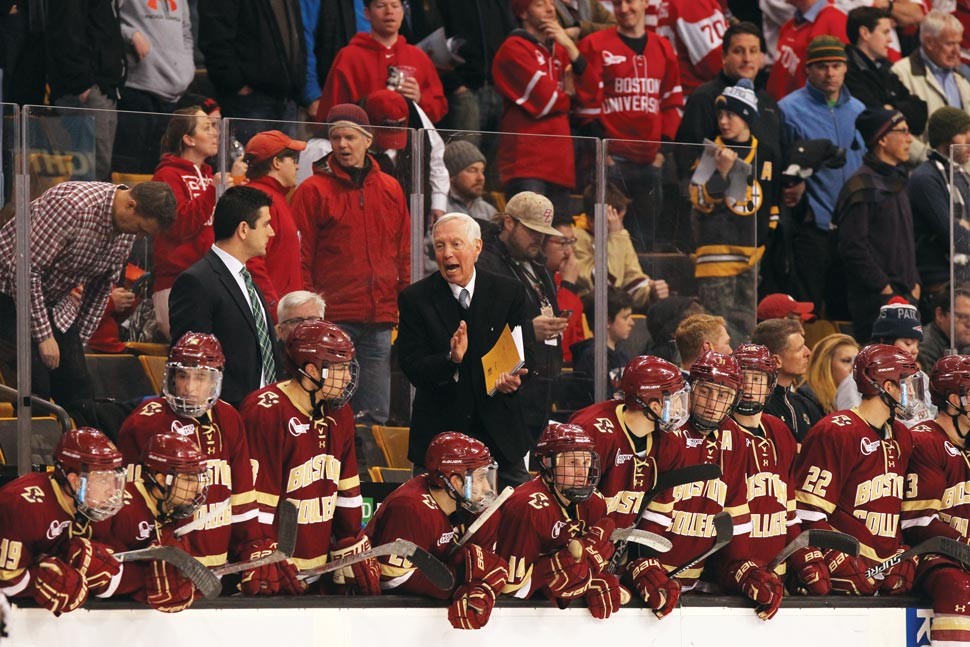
432,568
723,530
286,528
651,540
834,540
685,475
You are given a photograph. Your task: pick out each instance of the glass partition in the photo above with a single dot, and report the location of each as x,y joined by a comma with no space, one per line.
943,259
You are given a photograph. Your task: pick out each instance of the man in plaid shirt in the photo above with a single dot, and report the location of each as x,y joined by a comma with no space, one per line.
80,237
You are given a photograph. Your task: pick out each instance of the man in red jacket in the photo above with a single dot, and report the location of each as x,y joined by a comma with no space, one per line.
272,163
355,228
812,18
383,58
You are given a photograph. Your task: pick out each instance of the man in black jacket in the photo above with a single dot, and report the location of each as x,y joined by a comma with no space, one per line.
868,78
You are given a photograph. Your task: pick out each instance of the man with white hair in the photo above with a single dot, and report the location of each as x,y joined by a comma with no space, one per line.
932,72
448,321
296,307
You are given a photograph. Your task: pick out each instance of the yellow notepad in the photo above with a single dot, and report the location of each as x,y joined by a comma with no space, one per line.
506,356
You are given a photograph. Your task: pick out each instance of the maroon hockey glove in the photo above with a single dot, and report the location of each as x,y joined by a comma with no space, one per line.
760,585
58,586
810,571
565,573
271,579
94,561
597,547
898,580
471,606
849,574
605,595
362,578
485,568
166,589
651,582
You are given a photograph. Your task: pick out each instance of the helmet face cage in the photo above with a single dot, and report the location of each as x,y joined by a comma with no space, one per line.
191,390
711,403
100,493
573,473
674,412
910,396
182,493
756,387
338,382
479,488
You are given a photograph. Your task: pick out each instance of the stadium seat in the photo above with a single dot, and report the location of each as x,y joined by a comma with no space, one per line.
120,377
46,431
380,474
154,367
393,442
147,348
131,179
818,329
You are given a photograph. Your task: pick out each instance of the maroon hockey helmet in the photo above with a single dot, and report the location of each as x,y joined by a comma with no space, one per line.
647,378
87,450
950,374
877,363
709,375
171,453
558,443
454,454
755,358
185,483
193,374
196,349
324,345
718,368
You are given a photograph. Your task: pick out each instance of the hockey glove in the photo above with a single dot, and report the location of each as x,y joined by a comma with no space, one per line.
811,572
849,574
760,585
166,589
270,579
597,547
566,576
362,578
898,580
471,606
95,562
58,586
605,595
651,582
484,568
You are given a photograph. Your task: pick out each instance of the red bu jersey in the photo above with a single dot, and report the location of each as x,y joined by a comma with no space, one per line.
685,514
937,487
226,522
534,525
771,497
634,96
411,513
35,522
788,72
850,477
696,30
625,473
312,463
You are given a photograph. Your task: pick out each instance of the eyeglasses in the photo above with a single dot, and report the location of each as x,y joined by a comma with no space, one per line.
962,317
296,321
564,242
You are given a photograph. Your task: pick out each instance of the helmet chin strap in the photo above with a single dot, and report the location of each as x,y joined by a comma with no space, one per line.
316,406
955,418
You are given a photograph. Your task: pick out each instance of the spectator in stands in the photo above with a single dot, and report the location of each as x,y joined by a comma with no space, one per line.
622,262
932,72
929,199
335,24
81,235
813,18
786,341
829,366
560,257
85,57
355,230
696,30
734,192
477,28
875,225
783,306
192,137
160,69
699,333
383,58
619,325
629,84
272,160
255,56
296,307
868,77
936,335
580,18
514,252
466,169
531,71
821,109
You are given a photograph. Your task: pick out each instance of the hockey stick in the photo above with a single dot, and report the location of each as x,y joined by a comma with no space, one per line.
665,481
436,572
826,539
938,545
723,532
200,523
203,579
285,543
482,518
651,540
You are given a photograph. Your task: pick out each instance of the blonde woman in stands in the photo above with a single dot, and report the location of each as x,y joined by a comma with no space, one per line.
830,365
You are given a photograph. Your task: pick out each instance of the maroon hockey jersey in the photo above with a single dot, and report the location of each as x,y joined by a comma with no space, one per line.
311,463
937,487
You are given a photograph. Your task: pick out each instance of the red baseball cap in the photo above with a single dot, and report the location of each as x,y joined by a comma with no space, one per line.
388,114
269,143
779,306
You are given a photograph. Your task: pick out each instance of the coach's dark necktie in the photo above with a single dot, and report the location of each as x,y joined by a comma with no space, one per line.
262,331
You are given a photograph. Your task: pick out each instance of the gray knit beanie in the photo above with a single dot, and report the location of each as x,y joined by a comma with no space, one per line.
461,154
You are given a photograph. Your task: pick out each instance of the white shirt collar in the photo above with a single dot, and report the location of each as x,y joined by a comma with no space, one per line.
231,262
456,289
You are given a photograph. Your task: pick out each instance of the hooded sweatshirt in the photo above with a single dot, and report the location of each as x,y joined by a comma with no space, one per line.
169,67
